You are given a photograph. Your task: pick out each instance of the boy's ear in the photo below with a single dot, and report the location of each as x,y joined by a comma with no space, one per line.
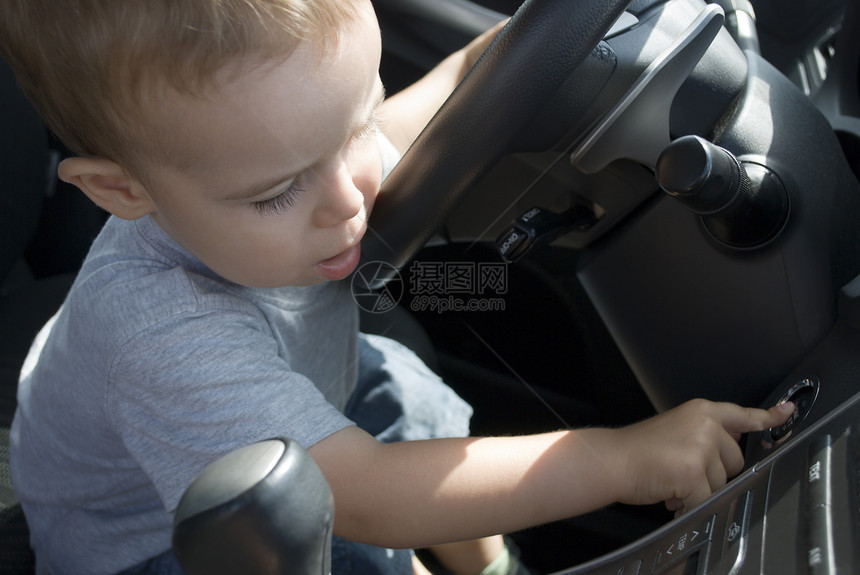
107,184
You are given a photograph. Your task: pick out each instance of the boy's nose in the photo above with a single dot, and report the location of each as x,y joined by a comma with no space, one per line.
342,199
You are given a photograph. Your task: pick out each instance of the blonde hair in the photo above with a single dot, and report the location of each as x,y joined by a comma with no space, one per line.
88,65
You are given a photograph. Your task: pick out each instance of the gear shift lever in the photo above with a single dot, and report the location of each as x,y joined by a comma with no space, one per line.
265,508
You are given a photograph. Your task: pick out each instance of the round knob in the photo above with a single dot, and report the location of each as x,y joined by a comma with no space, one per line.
702,176
743,206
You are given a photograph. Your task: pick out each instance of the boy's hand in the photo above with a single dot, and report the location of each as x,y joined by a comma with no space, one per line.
684,455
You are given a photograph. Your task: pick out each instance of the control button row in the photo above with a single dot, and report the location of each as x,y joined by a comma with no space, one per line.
819,498
683,543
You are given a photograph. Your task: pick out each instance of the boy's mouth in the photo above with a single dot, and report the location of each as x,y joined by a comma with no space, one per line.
341,265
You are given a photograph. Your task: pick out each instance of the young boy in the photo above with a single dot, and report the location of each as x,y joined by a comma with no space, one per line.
236,144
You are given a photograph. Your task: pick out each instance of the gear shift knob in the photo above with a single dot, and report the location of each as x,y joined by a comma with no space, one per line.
265,508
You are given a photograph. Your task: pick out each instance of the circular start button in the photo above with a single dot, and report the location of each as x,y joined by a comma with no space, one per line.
803,395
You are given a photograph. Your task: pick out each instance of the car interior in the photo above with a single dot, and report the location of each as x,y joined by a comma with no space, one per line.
623,206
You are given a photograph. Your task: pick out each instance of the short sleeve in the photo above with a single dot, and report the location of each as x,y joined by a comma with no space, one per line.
200,384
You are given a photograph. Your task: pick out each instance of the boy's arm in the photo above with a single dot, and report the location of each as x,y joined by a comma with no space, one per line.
416,494
402,116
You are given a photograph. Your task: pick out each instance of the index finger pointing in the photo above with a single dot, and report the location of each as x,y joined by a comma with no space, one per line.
737,419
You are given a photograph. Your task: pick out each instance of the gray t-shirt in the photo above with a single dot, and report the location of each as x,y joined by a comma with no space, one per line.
154,367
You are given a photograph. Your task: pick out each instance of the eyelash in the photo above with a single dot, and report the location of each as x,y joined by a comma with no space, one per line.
287,199
282,202
366,131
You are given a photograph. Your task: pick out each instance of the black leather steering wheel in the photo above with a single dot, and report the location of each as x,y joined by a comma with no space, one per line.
527,63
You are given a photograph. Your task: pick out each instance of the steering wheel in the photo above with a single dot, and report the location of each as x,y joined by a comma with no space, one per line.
526,64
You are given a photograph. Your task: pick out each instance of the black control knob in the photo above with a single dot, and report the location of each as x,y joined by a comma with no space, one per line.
742,205
702,176
265,508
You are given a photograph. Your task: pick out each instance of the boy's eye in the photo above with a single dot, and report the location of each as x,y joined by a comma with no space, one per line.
367,130
287,198
281,202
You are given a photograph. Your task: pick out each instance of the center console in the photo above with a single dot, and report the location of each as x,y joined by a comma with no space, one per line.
793,512
796,507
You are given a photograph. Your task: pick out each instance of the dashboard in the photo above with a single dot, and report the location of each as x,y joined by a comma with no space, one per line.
796,507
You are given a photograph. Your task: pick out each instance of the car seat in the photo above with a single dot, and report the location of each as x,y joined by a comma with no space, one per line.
45,231
25,160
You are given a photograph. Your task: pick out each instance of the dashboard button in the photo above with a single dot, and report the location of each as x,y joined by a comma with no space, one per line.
735,537
684,542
